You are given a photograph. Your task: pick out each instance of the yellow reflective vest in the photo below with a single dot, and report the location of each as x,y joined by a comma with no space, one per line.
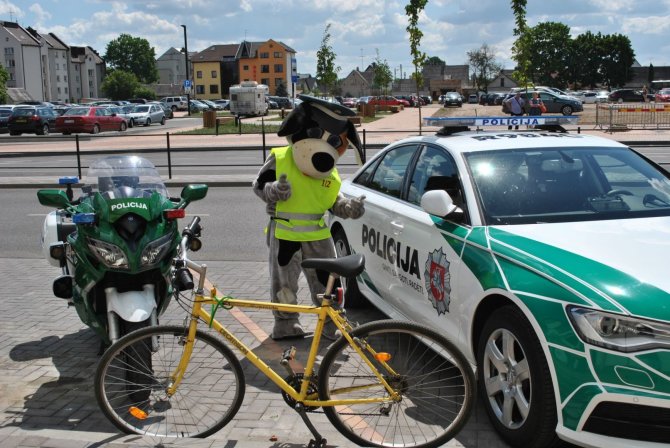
301,217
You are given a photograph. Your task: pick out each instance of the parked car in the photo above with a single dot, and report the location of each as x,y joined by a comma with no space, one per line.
602,96
349,102
385,100
92,120
403,101
363,100
138,101
555,104
197,106
625,96
426,100
271,103
124,112
526,253
453,99
32,119
211,104
4,118
147,114
472,98
585,96
225,104
175,102
282,102
662,96
169,112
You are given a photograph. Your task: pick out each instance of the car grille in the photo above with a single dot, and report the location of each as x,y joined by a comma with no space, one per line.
630,421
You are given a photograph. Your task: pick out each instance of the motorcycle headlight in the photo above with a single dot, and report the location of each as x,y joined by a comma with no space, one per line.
155,250
109,254
618,332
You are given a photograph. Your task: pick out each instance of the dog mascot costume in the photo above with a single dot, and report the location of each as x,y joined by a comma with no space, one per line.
299,183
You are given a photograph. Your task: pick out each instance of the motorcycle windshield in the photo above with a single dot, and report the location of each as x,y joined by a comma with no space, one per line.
118,177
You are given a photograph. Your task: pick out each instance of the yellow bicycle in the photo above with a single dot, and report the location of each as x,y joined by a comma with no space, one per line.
384,383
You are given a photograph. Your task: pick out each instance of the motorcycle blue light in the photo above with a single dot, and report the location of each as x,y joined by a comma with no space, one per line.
68,180
84,218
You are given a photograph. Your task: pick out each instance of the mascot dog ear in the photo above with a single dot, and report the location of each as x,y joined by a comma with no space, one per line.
295,121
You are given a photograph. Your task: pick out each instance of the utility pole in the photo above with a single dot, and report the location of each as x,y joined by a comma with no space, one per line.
188,92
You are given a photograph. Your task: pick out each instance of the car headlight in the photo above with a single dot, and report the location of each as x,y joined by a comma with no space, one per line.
618,332
110,255
155,250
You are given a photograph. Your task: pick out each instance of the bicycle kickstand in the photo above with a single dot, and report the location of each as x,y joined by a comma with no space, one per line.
318,441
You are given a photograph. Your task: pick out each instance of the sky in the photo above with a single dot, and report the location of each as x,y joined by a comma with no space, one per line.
361,30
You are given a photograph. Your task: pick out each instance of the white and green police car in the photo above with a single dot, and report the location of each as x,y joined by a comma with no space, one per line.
544,256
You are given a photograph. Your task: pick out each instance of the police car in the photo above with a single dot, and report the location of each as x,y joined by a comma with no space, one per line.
543,255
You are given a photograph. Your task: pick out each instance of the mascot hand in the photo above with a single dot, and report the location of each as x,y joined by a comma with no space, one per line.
279,190
355,208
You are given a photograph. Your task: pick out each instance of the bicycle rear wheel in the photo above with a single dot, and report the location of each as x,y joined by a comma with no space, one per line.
208,397
434,380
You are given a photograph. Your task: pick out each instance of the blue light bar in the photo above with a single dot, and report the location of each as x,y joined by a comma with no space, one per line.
68,180
448,122
84,218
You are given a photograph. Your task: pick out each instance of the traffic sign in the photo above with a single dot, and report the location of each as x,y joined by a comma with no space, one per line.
187,83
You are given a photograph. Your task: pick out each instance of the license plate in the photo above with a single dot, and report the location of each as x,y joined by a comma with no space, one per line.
21,120
69,121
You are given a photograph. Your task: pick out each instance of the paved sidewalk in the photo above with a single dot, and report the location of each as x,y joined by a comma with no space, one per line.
48,358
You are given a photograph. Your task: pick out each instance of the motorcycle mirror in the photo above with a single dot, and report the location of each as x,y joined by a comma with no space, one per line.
194,192
53,198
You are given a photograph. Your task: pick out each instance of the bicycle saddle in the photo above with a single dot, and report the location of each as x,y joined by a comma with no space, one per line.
347,267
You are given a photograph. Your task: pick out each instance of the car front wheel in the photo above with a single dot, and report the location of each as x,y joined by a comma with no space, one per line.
148,122
566,110
352,295
96,129
44,130
515,381
123,126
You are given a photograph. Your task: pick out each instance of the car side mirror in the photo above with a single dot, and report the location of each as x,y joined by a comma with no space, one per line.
438,203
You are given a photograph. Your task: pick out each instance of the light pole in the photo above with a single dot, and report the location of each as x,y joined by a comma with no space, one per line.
188,95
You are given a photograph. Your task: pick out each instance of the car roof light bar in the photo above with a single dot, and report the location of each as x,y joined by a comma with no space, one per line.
452,125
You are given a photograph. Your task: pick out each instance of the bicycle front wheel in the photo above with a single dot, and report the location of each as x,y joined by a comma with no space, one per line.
134,374
433,380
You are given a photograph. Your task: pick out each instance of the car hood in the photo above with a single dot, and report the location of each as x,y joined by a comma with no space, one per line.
618,265
138,114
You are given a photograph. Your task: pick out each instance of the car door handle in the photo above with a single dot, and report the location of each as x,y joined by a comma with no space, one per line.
398,227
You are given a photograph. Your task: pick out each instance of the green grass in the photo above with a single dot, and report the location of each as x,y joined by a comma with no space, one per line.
232,128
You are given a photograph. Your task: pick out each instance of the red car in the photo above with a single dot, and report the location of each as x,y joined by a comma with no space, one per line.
385,101
90,119
662,96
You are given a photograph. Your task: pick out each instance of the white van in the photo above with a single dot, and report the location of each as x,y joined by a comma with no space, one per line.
175,102
248,98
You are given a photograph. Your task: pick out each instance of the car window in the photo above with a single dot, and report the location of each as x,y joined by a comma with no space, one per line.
434,170
390,172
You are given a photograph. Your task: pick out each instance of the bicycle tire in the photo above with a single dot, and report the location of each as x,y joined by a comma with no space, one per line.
210,394
437,392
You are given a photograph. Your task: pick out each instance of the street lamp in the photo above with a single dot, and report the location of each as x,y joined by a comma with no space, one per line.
188,95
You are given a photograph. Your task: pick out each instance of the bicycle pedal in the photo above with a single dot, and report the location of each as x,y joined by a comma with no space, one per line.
288,355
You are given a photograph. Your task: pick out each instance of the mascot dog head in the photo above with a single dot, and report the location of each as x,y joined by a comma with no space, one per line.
319,132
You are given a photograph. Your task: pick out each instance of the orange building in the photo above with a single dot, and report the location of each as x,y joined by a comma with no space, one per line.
271,63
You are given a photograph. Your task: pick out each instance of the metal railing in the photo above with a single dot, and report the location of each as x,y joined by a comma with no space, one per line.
621,116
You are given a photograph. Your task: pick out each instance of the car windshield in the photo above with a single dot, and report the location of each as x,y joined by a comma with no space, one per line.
77,111
141,109
24,112
124,177
567,184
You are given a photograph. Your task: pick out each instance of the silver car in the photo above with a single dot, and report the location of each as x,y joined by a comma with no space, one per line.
147,113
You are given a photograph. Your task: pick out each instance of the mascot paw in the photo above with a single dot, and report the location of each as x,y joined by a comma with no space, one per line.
355,208
279,190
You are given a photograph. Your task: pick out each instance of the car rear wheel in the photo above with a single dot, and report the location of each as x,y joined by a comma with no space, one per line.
566,110
163,121
96,129
123,126
148,122
44,130
131,123
352,295
515,382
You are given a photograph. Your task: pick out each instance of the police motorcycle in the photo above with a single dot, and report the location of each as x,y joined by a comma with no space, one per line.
115,243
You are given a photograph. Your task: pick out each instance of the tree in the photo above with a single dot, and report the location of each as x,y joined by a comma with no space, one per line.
522,49
326,70
618,57
4,77
586,60
484,66
144,92
134,55
434,60
549,61
120,85
412,10
281,90
382,73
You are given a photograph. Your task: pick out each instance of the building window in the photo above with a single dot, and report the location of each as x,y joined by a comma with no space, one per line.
279,68
213,88
265,69
58,78
64,77
90,73
213,73
57,67
59,90
502,82
265,55
198,74
199,88
245,67
265,81
9,50
66,90
278,54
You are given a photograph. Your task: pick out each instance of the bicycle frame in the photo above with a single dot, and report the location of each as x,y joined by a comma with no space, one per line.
325,310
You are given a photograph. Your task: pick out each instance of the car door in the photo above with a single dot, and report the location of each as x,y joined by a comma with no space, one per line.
372,234
427,270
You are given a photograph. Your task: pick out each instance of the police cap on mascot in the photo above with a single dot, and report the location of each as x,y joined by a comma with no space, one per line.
299,183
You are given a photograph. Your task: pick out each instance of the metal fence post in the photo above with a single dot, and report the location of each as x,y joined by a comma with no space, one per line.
263,134
365,148
76,139
169,155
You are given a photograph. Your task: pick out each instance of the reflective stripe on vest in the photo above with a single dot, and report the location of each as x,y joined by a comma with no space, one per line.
300,218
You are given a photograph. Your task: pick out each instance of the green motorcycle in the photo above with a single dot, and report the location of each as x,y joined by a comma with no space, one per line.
115,244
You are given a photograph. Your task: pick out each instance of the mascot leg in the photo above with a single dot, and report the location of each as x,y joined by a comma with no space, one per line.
284,273
317,279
